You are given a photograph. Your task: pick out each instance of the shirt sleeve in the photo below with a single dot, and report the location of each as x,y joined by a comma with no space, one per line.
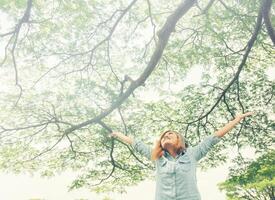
142,148
204,146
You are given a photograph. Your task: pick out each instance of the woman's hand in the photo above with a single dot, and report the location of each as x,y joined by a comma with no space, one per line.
221,132
117,134
242,116
122,137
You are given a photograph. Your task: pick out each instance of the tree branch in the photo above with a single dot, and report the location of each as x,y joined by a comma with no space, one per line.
15,34
163,35
242,64
266,10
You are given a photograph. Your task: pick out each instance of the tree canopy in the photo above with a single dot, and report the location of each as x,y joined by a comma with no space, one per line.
72,71
253,181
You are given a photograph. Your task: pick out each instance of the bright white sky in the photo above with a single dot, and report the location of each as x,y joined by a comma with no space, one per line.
24,187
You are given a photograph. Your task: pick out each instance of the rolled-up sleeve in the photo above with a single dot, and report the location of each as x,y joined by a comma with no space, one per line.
201,149
142,148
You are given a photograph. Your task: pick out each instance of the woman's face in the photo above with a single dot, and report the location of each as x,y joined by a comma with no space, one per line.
169,139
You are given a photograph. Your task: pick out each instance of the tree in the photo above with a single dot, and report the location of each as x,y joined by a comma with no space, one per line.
254,181
72,71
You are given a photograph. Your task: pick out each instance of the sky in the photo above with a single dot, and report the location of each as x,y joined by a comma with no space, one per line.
25,187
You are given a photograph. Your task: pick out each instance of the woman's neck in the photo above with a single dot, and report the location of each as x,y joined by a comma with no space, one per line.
172,152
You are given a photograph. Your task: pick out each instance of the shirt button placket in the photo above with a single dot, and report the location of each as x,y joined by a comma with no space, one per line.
174,180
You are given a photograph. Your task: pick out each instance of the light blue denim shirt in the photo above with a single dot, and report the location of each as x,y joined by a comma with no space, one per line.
176,177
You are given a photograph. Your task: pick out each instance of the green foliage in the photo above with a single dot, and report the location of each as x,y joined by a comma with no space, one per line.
256,180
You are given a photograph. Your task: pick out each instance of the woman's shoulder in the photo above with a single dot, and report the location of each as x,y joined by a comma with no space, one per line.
190,152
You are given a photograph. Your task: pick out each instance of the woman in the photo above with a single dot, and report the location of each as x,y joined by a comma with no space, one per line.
175,163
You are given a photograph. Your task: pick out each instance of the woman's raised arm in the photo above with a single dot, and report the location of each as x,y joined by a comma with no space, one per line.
138,145
221,132
122,137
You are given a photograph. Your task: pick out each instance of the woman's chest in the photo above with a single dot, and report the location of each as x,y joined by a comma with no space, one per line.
182,166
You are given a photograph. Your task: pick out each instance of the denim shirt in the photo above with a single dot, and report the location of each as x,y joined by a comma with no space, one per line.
176,177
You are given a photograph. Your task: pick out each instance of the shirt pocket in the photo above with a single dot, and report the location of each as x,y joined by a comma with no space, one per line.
165,175
165,168
184,165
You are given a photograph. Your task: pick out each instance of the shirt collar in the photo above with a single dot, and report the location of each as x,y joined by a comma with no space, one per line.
167,154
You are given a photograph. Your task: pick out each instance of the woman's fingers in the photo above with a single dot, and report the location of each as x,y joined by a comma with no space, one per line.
241,116
248,114
114,134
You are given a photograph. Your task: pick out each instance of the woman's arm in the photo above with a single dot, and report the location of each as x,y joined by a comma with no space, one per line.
221,132
201,149
138,145
122,137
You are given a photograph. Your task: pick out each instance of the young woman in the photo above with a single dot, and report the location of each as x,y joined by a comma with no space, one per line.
175,162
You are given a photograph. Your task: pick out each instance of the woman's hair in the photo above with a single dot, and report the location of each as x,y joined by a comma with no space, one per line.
158,150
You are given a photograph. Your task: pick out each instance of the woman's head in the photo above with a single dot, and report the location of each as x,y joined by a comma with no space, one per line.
168,139
171,139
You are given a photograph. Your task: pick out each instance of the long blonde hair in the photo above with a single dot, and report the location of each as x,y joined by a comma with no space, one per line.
158,150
